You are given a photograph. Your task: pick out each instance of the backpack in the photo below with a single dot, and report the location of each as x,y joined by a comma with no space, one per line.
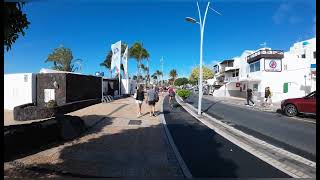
156,97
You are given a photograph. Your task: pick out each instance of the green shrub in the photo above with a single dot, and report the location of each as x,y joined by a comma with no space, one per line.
184,94
52,104
181,81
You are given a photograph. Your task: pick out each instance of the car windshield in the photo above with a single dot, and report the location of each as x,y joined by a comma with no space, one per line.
311,95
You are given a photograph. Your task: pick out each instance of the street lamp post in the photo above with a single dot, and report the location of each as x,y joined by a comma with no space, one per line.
202,24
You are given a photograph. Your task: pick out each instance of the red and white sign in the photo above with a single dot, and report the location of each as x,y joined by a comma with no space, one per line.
237,84
273,65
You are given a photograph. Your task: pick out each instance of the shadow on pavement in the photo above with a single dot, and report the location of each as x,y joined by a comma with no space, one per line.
124,153
311,116
28,139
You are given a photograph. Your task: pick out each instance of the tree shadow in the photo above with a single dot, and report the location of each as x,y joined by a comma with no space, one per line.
27,139
136,152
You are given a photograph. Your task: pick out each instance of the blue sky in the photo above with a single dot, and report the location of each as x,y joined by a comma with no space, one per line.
90,27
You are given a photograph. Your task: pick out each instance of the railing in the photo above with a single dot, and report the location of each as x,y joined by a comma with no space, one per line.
265,53
231,79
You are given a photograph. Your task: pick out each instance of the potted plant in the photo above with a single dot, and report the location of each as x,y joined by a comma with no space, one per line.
184,94
52,104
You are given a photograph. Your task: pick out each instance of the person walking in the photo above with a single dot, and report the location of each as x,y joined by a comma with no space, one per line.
151,99
267,96
171,96
139,99
249,97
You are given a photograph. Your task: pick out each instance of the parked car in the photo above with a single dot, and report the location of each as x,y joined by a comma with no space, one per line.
304,105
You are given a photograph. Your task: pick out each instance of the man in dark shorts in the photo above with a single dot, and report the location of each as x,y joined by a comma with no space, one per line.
151,99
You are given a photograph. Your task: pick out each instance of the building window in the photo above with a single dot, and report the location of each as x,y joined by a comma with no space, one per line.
216,69
303,55
314,55
25,78
255,87
251,67
255,66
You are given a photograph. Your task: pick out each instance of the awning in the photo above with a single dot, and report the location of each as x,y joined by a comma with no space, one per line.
230,70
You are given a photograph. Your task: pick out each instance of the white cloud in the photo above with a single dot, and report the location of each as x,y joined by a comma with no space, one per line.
281,13
294,19
287,13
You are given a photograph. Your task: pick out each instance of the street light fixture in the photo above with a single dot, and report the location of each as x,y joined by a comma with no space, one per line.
202,24
190,19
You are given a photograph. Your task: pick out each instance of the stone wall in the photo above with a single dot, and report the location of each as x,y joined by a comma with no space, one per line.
82,87
71,87
46,81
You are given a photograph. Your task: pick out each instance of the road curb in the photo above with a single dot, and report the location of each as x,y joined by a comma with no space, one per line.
276,157
185,170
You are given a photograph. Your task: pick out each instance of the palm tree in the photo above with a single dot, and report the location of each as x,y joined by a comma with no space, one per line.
134,77
139,53
62,59
173,74
145,71
159,73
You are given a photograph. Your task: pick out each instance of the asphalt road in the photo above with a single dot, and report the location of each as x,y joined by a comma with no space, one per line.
207,154
295,136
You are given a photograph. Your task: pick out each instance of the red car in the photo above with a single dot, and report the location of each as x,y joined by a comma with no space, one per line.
305,105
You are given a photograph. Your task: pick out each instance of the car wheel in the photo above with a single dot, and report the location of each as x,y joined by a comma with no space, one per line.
290,110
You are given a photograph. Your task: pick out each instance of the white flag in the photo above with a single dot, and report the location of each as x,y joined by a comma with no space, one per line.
116,56
125,61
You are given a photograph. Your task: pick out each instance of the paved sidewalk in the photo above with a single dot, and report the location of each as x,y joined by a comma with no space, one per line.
242,102
111,147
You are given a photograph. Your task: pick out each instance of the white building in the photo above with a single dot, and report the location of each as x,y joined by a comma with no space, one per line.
19,89
290,74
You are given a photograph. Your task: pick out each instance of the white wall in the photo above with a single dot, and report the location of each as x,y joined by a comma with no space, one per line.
125,86
19,89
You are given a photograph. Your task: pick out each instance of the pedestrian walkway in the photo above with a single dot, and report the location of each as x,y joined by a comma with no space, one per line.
242,102
117,144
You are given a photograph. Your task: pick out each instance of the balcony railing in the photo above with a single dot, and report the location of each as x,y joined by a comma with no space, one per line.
270,54
231,79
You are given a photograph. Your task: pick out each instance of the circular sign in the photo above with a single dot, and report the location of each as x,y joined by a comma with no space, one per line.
273,64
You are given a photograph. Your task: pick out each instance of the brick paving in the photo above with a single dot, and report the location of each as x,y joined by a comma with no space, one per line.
110,148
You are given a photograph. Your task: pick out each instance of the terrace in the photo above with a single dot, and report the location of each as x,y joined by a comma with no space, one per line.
265,53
